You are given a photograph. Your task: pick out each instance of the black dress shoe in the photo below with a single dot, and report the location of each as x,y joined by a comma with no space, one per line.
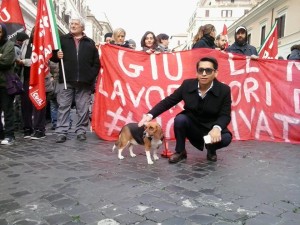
211,156
81,137
176,157
61,138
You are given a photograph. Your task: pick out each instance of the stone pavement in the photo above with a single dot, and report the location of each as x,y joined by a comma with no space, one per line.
42,183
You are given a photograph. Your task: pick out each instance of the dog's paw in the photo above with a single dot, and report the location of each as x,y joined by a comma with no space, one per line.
150,162
133,155
121,157
155,157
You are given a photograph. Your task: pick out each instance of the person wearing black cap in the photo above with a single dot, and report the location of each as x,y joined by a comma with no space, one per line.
207,112
241,45
108,37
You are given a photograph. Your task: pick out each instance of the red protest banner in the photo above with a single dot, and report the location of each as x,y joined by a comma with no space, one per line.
11,15
265,93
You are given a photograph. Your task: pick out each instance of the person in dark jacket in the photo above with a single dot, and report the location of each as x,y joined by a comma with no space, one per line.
205,37
81,65
241,45
207,111
149,43
7,60
295,53
118,36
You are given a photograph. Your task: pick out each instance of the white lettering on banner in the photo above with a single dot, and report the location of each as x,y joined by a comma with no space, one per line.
179,67
263,126
45,52
286,120
234,72
297,100
249,90
137,69
44,22
268,94
289,71
116,118
239,94
235,128
118,91
7,15
153,67
148,97
101,90
244,118
136,101
249,87
36,97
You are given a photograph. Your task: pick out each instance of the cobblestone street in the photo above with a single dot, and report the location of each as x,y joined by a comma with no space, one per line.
43,183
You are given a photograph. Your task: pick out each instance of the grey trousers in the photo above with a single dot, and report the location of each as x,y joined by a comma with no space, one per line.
81,94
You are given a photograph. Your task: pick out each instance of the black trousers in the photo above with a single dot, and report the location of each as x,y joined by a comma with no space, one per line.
33,119
7,106
184,129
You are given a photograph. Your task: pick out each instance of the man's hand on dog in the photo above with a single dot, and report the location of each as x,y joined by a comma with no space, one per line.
146,118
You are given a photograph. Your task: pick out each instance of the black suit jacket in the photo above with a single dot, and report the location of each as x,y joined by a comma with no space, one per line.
214,109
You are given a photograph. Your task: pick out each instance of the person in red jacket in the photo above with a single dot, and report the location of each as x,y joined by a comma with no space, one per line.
207,112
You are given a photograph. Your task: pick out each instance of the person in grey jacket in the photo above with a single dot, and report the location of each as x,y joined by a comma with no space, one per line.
295,53
241,45
81,65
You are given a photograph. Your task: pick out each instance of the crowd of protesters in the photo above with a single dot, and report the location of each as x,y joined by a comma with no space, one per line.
81,63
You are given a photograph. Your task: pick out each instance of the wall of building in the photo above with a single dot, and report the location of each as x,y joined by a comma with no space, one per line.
265,13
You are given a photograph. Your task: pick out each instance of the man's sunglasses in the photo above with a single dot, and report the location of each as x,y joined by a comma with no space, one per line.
208,71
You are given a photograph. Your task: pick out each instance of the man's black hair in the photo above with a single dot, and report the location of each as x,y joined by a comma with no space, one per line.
208,59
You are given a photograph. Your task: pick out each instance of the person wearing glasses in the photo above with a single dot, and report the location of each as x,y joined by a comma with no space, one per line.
207,112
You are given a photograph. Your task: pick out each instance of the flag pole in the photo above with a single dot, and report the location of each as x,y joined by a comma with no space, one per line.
63,72
55,36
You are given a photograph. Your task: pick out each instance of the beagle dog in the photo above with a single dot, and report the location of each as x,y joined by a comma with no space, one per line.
149,135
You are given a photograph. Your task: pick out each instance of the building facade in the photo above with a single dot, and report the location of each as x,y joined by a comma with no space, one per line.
259,21
64,11
218,13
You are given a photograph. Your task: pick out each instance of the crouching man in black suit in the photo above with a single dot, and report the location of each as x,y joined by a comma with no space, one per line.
207,111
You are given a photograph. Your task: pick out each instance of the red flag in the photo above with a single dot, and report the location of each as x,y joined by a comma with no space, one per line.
11,15
269,49
43,44
225,33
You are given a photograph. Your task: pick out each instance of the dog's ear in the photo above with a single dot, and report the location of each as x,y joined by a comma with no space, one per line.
159,132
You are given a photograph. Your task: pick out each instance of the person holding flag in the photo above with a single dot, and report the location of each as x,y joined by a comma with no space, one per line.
81,63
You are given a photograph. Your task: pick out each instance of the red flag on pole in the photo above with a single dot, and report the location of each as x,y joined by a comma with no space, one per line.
11,15
44,41
269,49
225,33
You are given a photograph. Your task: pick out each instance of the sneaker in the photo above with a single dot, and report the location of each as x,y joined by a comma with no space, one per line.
81,137
8,141
61,138
27,134
38,135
